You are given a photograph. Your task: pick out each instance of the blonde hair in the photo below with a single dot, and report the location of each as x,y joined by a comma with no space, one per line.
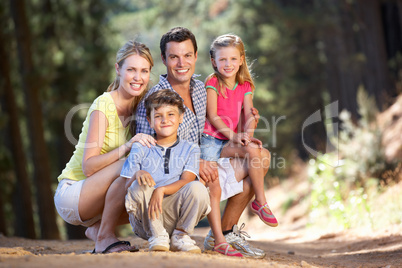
128,49
243,75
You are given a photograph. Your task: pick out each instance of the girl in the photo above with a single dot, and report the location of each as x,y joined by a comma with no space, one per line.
229,92
90,192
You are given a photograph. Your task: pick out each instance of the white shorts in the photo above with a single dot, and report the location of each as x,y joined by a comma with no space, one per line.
227,180
66,201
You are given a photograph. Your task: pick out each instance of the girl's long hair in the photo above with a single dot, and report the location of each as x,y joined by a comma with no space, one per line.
132,48
243,75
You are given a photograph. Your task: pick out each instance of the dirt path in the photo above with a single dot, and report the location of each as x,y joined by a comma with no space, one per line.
291,244
291,249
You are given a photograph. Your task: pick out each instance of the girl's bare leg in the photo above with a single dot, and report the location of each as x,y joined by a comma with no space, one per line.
236,204
255,164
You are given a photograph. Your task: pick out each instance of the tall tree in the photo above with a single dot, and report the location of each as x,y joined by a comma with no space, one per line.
23,222
38,147
355,45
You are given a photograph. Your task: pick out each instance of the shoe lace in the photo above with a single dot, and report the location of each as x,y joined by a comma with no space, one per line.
186,239
242,234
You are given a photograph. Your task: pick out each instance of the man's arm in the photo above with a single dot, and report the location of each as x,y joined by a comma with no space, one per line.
208,171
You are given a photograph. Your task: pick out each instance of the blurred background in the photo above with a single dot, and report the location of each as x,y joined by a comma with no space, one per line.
328,75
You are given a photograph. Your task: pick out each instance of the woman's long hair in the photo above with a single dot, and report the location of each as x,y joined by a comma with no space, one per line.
132,48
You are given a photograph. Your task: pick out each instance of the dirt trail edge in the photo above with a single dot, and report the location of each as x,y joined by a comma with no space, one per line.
292,249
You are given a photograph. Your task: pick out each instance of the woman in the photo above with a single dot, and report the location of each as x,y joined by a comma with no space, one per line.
90,191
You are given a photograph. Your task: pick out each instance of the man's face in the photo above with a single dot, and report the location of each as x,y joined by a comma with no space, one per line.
180,62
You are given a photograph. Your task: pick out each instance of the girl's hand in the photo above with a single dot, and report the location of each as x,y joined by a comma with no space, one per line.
155,204
144,139
257,142
144,178
241,138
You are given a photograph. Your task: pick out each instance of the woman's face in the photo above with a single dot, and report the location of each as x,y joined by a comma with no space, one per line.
134,75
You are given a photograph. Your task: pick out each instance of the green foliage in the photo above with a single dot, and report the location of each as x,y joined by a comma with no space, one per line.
360,145
280,40
341,194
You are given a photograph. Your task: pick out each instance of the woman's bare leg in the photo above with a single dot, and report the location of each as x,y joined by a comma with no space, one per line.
104,193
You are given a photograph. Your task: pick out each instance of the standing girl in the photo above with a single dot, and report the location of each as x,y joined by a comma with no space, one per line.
90,192
229,94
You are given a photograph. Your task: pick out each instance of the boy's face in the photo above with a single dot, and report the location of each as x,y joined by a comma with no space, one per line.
165,121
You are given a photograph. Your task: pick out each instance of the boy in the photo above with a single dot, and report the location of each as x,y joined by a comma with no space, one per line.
164,199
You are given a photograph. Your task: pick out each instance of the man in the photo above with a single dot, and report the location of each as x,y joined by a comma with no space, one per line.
179,54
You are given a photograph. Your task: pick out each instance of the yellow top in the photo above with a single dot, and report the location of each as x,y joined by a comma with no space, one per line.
116,135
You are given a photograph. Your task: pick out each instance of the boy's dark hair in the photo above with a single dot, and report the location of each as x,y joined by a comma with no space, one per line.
163,97
177,34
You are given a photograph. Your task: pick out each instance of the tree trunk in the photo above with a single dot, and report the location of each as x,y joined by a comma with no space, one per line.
40,158
356,52
24,223
342,69
376,73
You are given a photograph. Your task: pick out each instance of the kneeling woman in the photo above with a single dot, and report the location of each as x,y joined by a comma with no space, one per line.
90,192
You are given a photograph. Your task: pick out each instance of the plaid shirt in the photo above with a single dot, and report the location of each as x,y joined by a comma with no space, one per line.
193,124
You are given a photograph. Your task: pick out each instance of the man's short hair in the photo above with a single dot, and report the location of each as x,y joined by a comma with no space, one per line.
177,34
161,98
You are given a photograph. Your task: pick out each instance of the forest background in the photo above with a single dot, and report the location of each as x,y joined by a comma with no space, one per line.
323,71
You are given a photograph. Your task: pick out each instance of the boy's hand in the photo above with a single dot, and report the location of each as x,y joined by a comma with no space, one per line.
144,178
208,171
155,204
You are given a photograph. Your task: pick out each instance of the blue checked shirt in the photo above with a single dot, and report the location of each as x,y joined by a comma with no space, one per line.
193,124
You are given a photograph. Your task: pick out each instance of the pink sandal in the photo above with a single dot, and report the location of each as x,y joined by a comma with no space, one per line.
226,249
265,213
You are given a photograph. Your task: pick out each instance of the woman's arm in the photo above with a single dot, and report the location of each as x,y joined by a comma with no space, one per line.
93,160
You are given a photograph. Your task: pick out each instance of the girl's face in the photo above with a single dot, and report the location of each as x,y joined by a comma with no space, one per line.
227,61
134,75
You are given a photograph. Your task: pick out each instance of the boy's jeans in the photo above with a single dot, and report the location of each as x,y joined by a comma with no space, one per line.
182,210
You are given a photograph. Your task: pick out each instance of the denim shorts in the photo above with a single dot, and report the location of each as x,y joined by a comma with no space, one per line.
211,147
66,201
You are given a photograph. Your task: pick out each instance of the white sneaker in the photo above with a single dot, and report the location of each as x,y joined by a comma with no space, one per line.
183,242
159,243
236,238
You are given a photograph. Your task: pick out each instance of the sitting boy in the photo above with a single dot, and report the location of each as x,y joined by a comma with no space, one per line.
164,198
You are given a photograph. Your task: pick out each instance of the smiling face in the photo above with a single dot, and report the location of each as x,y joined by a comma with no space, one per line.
165,120
227,62
180,62
134,75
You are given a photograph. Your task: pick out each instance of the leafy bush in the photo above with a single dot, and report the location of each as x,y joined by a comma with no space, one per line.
341,194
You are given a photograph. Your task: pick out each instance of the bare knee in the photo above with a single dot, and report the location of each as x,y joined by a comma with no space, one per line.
266,158
252,150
